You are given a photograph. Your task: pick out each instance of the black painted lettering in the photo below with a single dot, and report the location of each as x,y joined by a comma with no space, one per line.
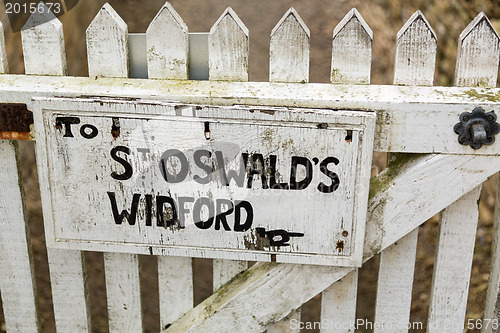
198,155
323,167
304,162
220,218
67,121
198,206
242,205
165,219
92,131
272,176
227,175
124,214
149,209
257,167
127,174
172,157
182,210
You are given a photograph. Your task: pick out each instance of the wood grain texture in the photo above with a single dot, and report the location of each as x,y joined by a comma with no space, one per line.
167,41
351,50
289,324
17,280
107,44
228,47
492,306
175,276
225,270
452,268
43,44
123,290
69,294
415,52
4,68
395,284
338,304
289,50
107,50
389,219
351,62
478,54
416,40
43,33
403,113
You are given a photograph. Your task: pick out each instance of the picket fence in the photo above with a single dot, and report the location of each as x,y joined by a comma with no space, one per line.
412,117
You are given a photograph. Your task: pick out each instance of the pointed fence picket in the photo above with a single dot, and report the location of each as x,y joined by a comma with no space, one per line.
351,50
228,47
66,267
292,68
351,62
415,41
168,58
168,46
391,229
107,52
289,50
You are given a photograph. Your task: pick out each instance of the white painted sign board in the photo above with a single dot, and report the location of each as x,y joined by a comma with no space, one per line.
231,182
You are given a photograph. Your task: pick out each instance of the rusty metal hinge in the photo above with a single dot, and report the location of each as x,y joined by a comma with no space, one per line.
15,121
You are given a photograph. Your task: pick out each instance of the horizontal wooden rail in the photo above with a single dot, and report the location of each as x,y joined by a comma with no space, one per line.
409,119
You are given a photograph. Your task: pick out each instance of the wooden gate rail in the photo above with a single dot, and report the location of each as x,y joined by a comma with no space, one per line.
409,119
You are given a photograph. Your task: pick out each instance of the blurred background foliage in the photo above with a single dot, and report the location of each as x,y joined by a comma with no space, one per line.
385,17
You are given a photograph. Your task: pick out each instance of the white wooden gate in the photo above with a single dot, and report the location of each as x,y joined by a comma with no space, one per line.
412,117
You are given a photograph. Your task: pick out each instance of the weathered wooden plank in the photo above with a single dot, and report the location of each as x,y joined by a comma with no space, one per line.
289,62
107,44
492,308
107,50
69,295
123,290
289,50
395,282
228,48
478,54
390,217
43,43
17,280
167,41
409,119
351,50
452,268
351,61
416,40
167,38
225,270
175,276
4,68
415,52
338,304
289,324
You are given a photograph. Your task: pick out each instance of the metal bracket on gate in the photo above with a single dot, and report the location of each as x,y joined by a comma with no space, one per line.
15,121
477,128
